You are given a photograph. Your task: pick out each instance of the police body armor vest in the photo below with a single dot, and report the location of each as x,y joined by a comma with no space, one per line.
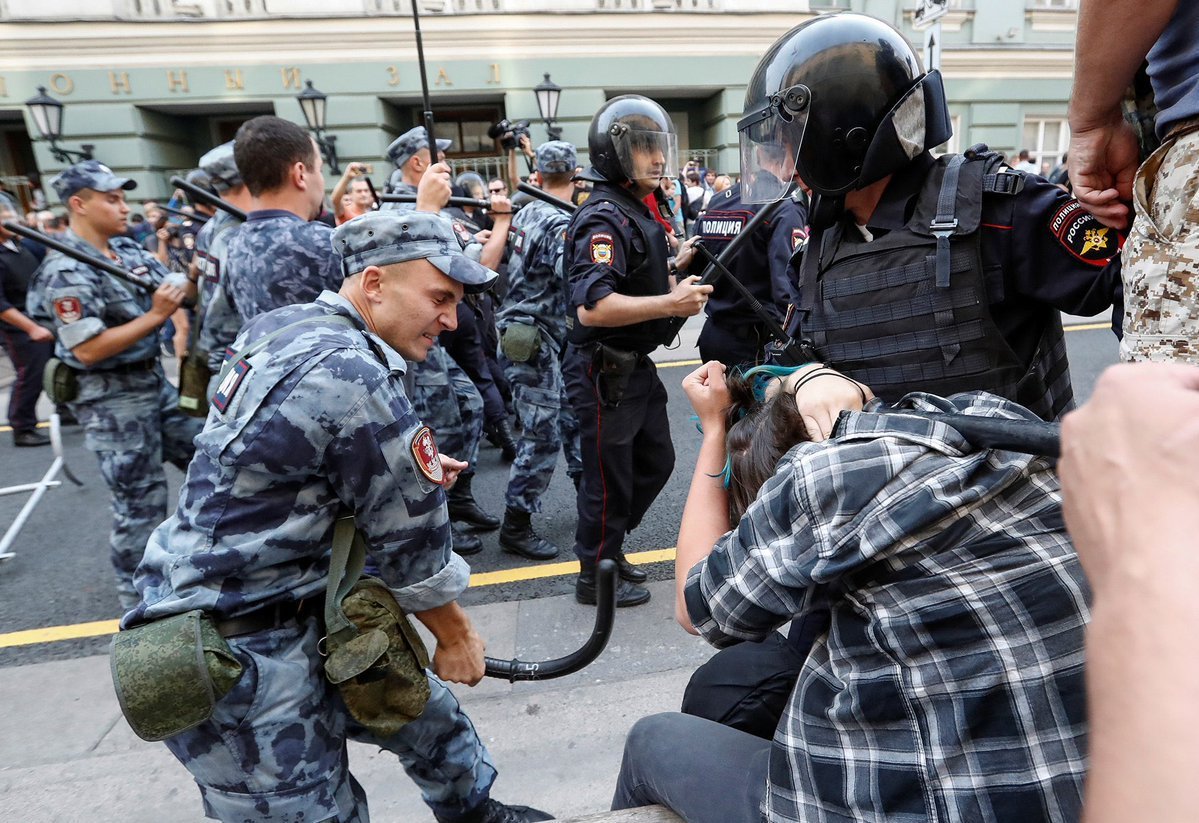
647,275
909,311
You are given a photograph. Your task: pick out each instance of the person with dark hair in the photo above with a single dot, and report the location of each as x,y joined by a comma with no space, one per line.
280,255
949,682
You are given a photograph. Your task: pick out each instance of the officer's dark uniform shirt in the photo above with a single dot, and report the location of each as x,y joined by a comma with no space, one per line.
608,254
762,263
1038,249
17,265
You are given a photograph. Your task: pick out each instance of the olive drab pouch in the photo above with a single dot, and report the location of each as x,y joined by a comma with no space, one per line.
373,654
169,674
59,381
194,375
520,341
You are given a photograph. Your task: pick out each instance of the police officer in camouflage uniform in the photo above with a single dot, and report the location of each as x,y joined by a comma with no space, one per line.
219,321
317,426
281,255
107,332
532,324
442,393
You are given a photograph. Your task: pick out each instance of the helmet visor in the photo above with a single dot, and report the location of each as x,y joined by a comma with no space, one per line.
645,154
770,141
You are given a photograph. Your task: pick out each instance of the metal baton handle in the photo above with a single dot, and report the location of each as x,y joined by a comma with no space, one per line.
197,193
533,191
477,203
605,616
93,260
1025,436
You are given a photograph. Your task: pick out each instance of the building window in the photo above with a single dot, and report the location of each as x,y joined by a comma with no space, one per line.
1053,4
1047,140
467,127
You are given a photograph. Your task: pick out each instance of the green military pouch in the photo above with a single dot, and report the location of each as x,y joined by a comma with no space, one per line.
380,670
194,375
520,341
373,654
59,381
169,674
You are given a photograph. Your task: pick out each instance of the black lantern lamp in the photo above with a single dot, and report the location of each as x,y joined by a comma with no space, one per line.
548,92
312,104
47,117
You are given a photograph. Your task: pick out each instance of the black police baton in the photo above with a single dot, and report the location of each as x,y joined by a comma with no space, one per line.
565,205
199,218
408,197
95,261
207,197
605,616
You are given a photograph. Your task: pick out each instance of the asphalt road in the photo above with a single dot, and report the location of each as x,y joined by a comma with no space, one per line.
61,573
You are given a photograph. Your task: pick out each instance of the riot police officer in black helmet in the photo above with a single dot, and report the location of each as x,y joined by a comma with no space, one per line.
942,274
621,294
934,274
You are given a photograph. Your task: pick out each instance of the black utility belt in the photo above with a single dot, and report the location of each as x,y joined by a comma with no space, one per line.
271,617
597,351
140,366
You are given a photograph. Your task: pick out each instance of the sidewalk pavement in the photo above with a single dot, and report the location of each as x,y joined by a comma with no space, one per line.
66,754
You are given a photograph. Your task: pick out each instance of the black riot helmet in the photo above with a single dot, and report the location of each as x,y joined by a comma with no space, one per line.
631,138
843,101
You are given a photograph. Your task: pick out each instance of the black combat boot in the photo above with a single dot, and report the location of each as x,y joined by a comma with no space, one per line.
500,435
629,572
465,509
517,537
463,542
493,811
627,594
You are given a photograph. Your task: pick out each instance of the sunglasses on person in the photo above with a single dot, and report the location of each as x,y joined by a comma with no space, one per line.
496,191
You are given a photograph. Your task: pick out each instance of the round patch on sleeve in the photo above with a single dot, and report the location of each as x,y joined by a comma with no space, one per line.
1081,234
68,309
424,449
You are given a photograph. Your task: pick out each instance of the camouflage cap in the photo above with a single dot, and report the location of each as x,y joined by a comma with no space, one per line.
379,238
410,142
221,168
88,174
556,157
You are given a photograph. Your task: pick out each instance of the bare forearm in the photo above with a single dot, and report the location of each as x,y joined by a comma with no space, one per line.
448,623
1142,683
705,517
493,249
624,310
112,342
1113,38
14,317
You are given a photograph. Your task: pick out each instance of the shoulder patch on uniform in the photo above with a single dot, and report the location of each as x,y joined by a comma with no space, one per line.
68,309
517,238
1081,234
798,238
424,450
464,235
601,248
223,395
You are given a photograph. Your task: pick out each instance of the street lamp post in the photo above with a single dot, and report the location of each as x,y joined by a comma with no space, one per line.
547,93
47,118
312,104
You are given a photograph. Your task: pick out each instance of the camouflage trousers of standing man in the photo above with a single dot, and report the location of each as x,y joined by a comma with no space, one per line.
1161,256
133,423
274,750
445,400
547,424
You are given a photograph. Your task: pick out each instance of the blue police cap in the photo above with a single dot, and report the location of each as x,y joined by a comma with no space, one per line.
221,168
556,157
88,174
410,142
379,238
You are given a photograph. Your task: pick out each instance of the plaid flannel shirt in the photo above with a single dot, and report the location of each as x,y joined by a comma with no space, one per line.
950,684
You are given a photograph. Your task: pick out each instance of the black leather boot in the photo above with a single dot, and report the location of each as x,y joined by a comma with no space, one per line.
465,509
463,542
500,435
629,572
517,537
627,594
493,811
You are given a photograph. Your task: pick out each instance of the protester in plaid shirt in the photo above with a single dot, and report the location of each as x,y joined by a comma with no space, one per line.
950,683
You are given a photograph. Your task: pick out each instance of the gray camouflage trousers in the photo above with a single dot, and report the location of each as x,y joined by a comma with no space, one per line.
274,750
445,399
547,424
1161,256
133,425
